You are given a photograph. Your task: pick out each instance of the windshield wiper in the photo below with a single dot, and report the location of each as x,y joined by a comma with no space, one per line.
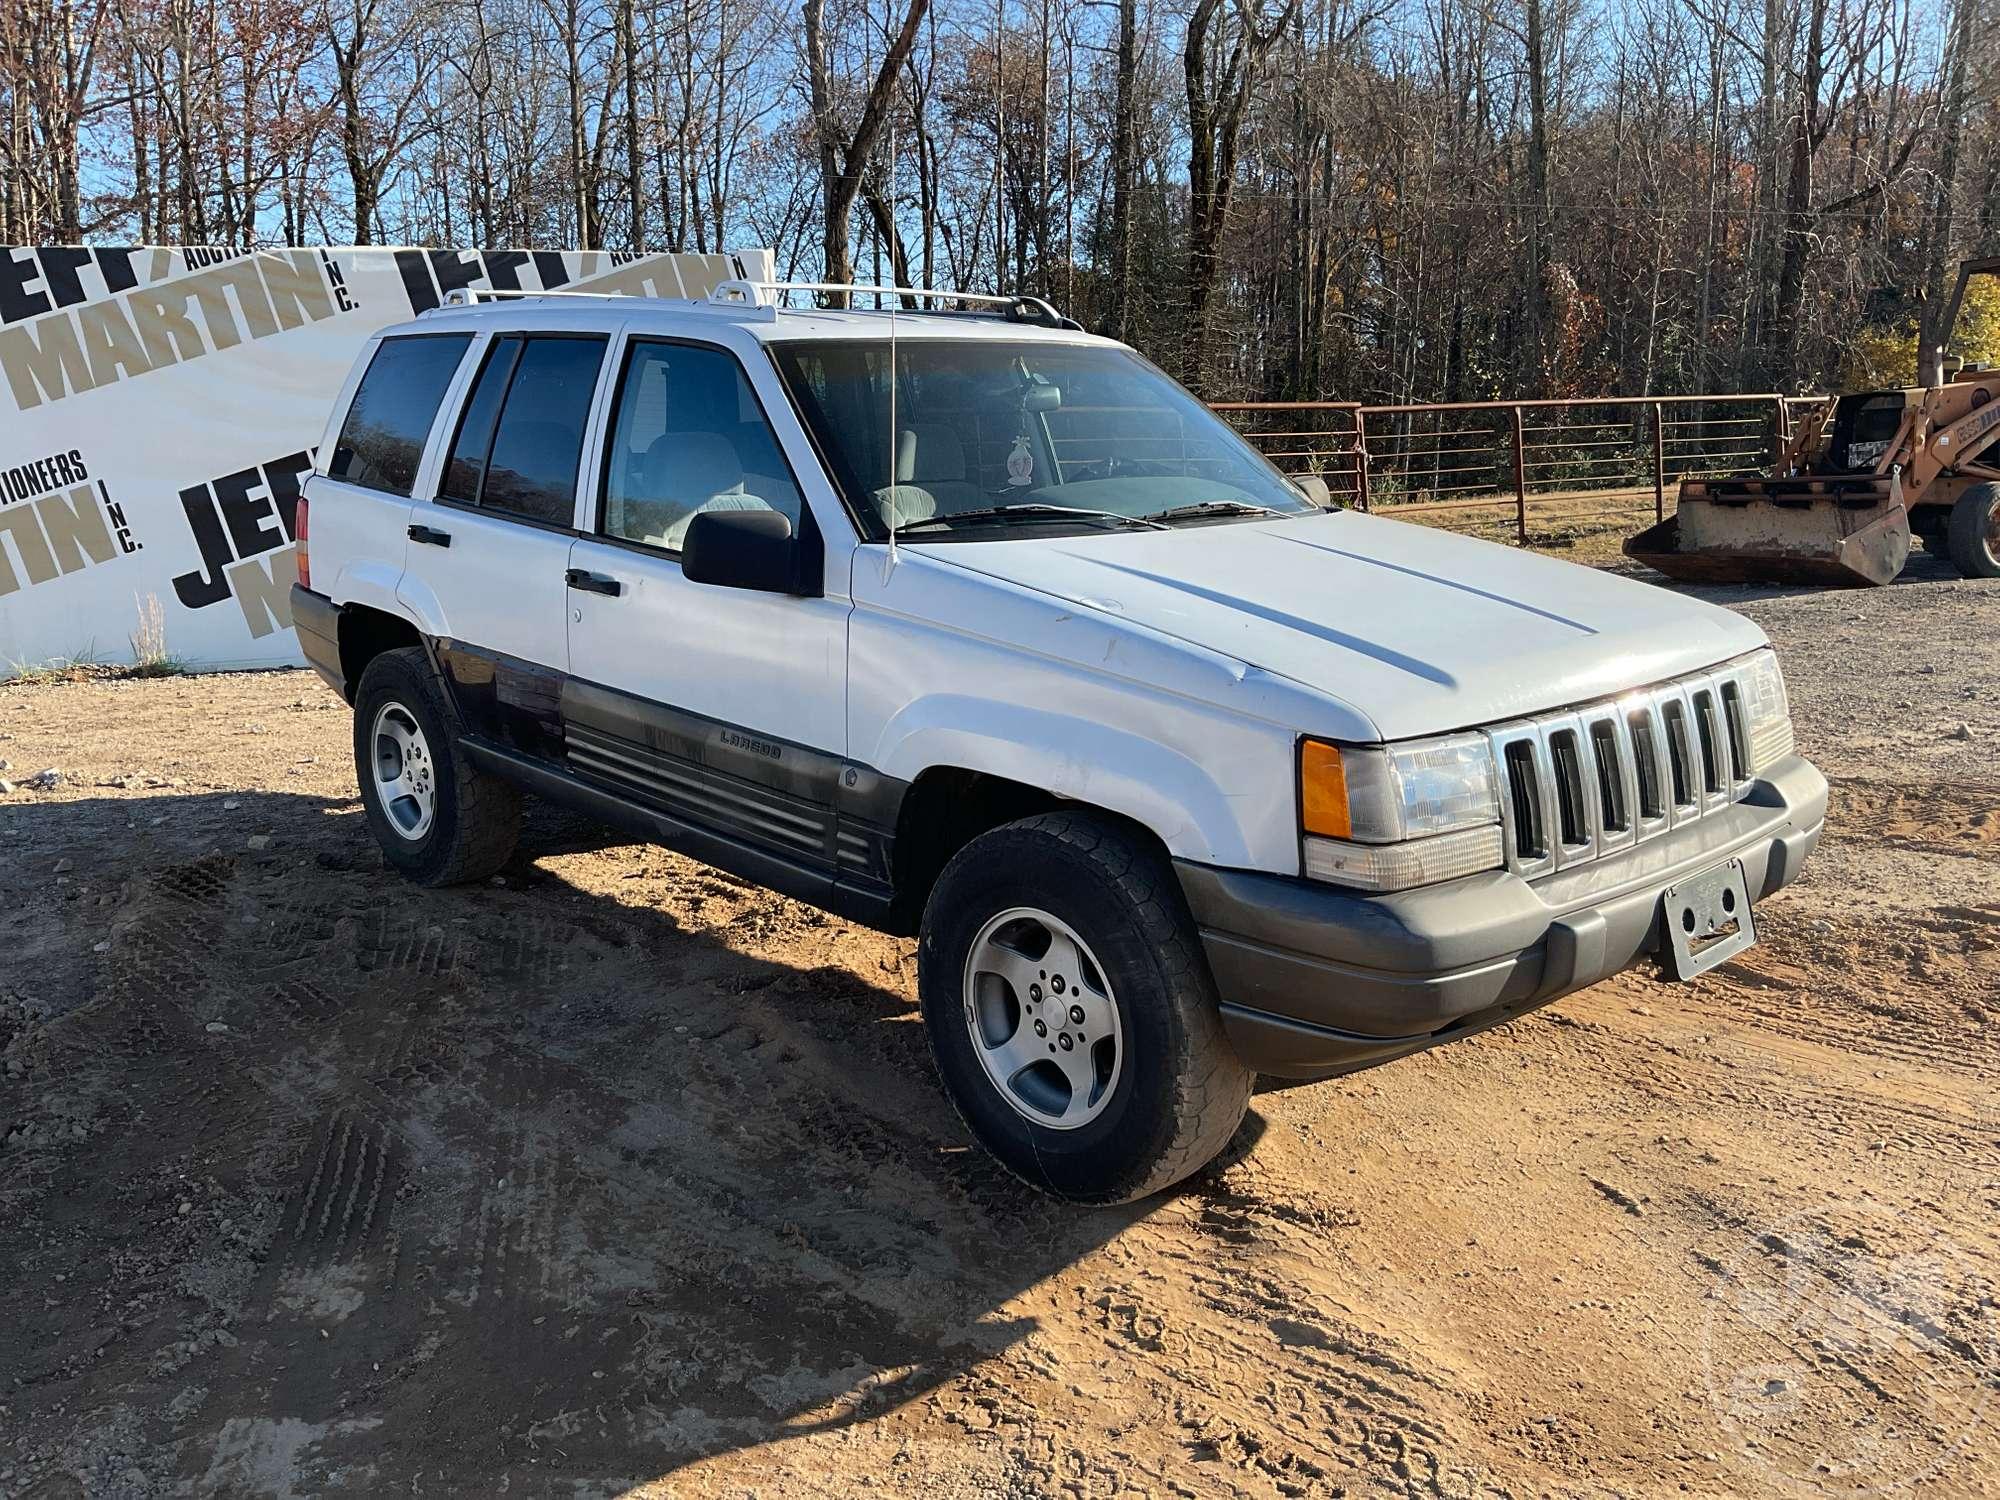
1202,508
1027,511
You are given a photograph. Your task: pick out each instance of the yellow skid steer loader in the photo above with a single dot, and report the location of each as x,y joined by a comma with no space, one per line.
1859,475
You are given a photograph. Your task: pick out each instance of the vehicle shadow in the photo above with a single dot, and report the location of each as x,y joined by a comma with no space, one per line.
578,1178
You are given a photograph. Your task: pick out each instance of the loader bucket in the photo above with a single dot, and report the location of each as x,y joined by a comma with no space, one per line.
1796,530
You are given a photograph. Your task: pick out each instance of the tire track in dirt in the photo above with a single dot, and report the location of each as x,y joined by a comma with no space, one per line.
1255,1374
345,1212
1775,1076
1953,818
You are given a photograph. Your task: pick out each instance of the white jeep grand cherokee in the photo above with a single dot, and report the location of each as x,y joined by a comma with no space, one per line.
973,626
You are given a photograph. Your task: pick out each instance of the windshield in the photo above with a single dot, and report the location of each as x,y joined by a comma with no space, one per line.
993,436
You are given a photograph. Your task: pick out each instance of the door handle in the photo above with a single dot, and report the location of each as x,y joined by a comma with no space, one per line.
430,535
592,583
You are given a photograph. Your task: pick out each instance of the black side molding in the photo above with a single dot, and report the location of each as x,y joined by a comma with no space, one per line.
858,900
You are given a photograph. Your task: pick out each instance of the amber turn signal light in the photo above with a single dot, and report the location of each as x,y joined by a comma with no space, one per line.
1323,791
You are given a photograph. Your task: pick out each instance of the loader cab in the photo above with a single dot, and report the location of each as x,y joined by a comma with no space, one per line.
1865,426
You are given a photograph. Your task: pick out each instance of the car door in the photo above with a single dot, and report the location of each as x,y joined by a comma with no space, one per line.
724,707
489,551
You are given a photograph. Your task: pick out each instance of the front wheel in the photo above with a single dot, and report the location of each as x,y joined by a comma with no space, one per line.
1071,1012
1973,533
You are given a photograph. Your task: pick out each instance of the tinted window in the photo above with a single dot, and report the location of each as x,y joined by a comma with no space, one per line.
382,440
981,422
524,462
689,436
465,469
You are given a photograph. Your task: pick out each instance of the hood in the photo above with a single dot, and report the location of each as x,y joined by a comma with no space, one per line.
1422,630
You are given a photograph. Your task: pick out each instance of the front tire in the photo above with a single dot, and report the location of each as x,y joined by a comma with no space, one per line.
1973,534
439,819
1071,1011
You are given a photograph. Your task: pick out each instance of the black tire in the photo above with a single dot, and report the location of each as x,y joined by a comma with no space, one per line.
1179,1092
1973,537
475,819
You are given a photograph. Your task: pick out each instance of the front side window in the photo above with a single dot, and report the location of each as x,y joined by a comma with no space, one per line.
382,438
689,436
521,437
978,435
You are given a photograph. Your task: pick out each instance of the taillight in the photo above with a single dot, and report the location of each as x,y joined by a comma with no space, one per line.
299,536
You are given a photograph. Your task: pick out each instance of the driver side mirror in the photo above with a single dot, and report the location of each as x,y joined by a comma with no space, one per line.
1315,489
746,549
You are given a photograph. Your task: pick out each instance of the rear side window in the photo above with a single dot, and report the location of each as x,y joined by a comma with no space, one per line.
521,437
382,441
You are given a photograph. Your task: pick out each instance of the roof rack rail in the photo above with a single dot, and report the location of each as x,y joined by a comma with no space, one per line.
1017,307
472,296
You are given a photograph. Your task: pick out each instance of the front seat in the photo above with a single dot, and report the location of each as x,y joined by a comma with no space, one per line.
691,472
930,456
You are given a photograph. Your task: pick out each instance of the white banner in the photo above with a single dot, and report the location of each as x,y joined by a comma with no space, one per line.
159,410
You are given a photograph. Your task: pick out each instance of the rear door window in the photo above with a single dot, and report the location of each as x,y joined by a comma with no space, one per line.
465,467
382,440
520,439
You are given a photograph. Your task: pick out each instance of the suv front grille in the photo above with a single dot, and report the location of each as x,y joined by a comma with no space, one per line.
1586,782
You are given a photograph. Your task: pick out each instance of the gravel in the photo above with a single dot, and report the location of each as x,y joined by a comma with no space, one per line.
1851,660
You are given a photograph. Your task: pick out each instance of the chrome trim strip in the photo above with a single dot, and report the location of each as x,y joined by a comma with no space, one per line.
1706,700
1621,772
1740,726
1680,732
1499,739
1586,796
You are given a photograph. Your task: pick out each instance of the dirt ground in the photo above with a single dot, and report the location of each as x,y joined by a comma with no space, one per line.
617,1176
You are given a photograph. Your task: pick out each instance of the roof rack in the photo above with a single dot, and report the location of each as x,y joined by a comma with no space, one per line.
472,296
772,295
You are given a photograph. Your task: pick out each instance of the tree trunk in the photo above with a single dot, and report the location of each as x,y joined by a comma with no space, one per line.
635,177
843,156
1124,146
1215,127
1932,335
1535,304
1796,231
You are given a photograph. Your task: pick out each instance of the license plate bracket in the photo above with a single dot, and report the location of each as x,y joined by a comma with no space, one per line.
1707,919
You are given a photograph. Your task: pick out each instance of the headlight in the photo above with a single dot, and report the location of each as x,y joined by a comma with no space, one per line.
1388,817
1768,711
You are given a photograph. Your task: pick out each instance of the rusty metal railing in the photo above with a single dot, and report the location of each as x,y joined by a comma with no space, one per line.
1481,458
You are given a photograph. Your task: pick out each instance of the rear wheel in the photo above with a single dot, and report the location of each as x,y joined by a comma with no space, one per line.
1071,1011
438,818
1973,536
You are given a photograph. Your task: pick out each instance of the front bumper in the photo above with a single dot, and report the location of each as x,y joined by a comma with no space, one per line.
1316,981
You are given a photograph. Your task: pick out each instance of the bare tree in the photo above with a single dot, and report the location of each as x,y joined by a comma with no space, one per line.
844,151
380,58
1226,44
